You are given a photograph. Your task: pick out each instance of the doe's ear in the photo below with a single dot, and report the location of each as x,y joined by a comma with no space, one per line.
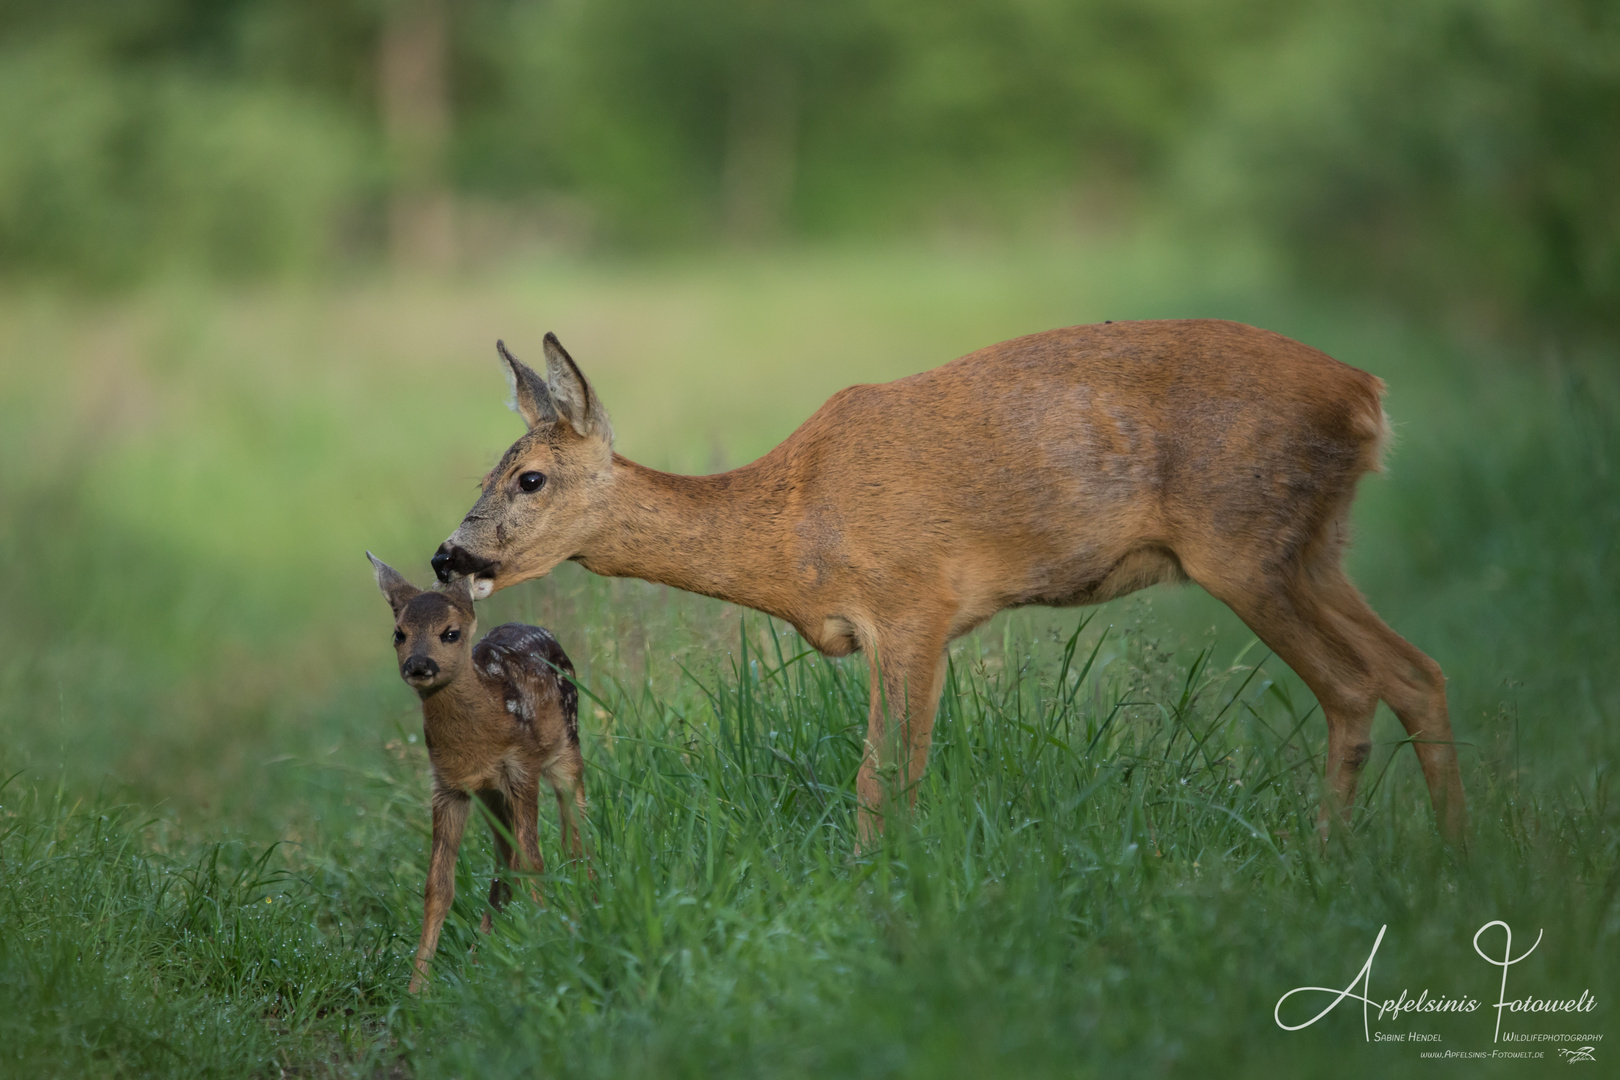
394,587
531,399
572,394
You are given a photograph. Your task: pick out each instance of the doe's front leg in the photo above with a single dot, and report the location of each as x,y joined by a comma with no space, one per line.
908,667
449,822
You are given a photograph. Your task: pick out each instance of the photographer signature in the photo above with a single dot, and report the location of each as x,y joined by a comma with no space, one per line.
1425,1002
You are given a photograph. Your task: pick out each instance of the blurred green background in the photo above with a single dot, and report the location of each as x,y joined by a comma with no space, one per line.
254,255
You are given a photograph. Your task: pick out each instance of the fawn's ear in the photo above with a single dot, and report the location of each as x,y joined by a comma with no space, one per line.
397,590
530,397
572,394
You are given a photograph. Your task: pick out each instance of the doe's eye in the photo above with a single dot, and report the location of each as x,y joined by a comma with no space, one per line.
450,635
532,481
399,636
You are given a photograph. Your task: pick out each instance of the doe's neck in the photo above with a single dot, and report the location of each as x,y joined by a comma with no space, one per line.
724,536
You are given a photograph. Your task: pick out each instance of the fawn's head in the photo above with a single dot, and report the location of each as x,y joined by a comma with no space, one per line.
433,629
538,504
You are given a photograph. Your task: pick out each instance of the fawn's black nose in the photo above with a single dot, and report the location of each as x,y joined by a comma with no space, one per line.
450,559
419,667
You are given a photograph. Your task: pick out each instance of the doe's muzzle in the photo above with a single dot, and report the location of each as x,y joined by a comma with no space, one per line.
450,560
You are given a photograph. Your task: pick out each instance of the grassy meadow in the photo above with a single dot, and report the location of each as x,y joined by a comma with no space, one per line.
213,824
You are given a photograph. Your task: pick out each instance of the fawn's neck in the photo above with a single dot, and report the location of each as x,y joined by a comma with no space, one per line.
722,536
454,702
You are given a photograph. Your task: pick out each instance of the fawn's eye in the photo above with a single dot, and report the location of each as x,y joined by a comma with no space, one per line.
450,635
399,636
532,481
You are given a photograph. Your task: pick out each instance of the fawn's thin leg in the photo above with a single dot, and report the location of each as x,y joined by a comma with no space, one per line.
567,779
449,820
524,798
500,891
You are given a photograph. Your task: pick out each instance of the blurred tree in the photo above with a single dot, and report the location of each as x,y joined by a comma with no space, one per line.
762,126
1457,156
413,94
744,117
135,137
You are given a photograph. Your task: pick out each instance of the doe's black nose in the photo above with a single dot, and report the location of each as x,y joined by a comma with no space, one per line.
449,560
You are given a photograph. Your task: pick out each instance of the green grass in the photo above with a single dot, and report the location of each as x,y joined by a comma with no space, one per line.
212,851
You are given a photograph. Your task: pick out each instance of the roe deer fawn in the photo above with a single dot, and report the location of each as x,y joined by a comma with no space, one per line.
1063,468
496,718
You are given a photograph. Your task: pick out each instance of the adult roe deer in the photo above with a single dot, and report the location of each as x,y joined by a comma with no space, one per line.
1068,467
497,719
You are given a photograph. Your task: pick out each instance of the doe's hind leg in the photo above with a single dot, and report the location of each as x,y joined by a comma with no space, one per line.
1295,621
1415,688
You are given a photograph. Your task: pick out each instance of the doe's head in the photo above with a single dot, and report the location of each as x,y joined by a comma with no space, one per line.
433,628
542,502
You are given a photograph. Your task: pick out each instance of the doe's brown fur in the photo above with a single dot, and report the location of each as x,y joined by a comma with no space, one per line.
497,720
1067,467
